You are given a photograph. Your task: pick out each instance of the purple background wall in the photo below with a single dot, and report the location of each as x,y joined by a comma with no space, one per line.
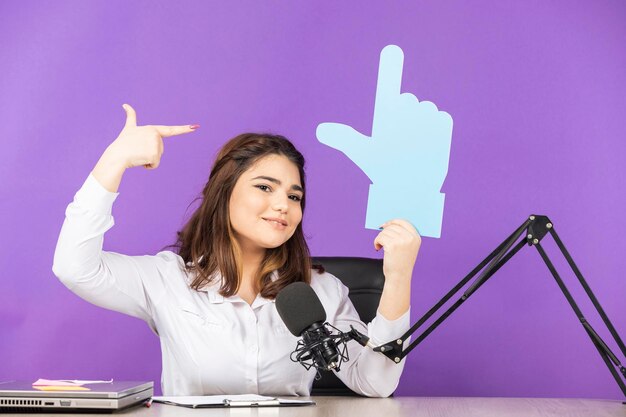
536,90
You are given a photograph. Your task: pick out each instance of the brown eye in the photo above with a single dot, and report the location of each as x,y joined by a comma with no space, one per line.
263,187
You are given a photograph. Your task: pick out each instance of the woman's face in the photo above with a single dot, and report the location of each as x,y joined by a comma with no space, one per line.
265,206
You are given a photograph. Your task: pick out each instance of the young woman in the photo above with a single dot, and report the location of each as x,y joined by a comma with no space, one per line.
212,303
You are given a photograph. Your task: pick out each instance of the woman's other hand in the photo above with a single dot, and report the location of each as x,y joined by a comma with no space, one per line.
401,243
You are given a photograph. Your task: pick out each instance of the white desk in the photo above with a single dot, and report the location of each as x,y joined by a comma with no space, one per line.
398,406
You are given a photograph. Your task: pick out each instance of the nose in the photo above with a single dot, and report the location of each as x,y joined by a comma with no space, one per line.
280,202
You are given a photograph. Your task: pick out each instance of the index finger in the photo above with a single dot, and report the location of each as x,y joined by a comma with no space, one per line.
389,75
167,131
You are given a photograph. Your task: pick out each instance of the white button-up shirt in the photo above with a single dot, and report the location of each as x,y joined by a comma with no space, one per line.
210,344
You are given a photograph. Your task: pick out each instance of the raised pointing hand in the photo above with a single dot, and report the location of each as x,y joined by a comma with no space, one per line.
143,145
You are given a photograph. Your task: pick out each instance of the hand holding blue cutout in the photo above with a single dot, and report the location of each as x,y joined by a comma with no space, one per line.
407,155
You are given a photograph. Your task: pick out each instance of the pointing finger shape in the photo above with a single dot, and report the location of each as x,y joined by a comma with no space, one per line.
346,139
389,76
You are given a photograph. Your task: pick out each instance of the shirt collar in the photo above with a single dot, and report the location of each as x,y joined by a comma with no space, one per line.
212,289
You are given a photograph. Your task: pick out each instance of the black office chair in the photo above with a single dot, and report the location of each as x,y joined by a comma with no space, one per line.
365,280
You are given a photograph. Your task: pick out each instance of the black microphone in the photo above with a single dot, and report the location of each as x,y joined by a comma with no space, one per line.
304,315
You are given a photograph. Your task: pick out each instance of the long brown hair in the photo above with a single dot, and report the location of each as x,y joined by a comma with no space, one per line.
207,244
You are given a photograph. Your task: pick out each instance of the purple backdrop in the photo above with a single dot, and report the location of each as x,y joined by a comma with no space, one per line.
536,90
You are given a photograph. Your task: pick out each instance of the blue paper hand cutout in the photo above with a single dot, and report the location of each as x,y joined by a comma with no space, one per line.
406,157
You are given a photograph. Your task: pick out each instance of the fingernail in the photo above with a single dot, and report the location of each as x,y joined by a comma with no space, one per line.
194,126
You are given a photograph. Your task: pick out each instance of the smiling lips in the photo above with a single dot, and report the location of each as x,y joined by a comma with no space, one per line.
278,223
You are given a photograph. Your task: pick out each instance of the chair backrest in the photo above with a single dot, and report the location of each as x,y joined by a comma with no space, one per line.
365,280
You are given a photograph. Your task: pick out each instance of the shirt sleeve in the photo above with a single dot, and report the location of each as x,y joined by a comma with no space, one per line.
367,372
114,281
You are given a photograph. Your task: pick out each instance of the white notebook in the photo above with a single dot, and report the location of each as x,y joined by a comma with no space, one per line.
240,400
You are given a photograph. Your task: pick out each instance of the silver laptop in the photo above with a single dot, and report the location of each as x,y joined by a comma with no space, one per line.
20,396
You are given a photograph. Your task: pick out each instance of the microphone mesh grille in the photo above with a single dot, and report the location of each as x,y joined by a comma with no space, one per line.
299,307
